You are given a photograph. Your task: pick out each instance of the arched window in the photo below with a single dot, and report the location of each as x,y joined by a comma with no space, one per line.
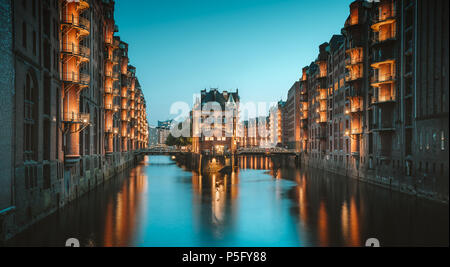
30,119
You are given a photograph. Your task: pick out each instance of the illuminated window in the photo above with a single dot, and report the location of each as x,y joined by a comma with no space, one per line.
442,140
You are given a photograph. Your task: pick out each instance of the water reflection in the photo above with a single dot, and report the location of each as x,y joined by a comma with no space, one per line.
265,203
123,210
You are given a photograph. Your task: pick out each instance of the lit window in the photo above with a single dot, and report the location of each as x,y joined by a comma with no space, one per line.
442,140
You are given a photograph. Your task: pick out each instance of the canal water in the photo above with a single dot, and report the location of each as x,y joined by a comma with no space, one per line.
159,203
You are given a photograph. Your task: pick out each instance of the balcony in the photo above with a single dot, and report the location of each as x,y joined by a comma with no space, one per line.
352,22
303,115
377,81
381,39
82,79
352,77
80,51
383,19
109,41
116,92
83,5
75,118
116,43
323,94
112,75
108,90
357,131
322,120
386,99
383,60
350,61
115,59
357,108
77,22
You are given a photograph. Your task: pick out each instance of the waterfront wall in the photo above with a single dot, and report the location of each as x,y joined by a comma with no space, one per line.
429,187
92,171
6,117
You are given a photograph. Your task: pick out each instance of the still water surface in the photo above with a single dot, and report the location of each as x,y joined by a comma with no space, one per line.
160,204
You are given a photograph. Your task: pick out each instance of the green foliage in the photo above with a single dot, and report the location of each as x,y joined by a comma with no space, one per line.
180,141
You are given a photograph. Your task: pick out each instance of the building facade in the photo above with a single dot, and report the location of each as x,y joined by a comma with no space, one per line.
66,131
378,97
275,125
215,122
292,126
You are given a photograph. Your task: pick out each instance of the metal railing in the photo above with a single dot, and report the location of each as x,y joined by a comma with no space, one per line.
379,39
76,21
382,78
384,16
356,108
357,131
76,50
75,117
382,99
353,60
78,78
352,77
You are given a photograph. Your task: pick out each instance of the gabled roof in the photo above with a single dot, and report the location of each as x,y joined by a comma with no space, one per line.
213,95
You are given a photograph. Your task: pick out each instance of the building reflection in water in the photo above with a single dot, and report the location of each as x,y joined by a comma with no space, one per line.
265,203
327,210
255,162
350,223
122,211
215,202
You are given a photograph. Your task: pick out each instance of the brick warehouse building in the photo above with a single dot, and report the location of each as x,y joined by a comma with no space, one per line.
378,97
223,137
74,110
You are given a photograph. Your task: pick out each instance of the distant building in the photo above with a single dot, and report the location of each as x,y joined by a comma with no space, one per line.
165,124
163,131
162,134
375,101
224,134
276,123
153,136
293,117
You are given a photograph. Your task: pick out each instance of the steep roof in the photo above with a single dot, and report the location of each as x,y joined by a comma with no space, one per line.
214,95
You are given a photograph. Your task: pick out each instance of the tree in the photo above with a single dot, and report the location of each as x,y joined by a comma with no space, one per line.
180,141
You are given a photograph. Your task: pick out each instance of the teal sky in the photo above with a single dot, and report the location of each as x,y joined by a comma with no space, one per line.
180,47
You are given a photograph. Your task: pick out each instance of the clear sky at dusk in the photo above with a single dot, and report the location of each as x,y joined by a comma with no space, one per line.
180,47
